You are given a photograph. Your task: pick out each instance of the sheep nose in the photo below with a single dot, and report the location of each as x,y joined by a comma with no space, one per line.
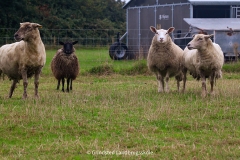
15,35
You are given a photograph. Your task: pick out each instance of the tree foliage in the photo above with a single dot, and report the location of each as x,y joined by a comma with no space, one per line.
74,14
64,14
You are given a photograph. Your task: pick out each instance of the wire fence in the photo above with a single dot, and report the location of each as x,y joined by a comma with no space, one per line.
134,45
137,41
51,37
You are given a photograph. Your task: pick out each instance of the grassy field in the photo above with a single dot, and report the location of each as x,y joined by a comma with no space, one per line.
117,115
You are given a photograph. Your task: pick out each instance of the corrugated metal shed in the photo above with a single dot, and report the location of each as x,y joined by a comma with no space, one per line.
220,24
219,17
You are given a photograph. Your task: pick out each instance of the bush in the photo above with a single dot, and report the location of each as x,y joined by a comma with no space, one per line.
139,67
231,67
103,69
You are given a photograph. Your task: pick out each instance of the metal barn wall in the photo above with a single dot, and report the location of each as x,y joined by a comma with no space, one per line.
139,19
164,16
133,30
226,42
180,12
147,19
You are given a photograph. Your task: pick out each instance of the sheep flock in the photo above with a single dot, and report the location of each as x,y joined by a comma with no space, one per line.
24,59
201,57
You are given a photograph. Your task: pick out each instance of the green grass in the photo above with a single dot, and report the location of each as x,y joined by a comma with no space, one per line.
232,67
90,59
119,116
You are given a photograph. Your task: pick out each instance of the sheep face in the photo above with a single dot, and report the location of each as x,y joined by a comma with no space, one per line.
68,47
26,31
162,36
199,41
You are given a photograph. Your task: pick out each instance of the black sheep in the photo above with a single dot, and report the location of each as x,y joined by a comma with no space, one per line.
65,65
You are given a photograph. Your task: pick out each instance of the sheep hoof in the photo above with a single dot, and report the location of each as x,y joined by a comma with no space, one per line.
24,96
204,95
212,93
167,91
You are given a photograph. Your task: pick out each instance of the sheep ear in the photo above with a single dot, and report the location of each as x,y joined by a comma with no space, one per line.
153,29
35,25
208,36
61,43
171,29
75,42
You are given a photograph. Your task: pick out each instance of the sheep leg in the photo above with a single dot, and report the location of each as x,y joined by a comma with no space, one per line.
68,80
160,83
70,84
36,81
58,84
204,90
184,79
12,88
25,82
178,85
212,83
63,80
167,86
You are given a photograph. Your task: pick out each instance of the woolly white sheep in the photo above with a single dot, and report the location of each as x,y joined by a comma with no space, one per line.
21,60
204,59
164,58
65,65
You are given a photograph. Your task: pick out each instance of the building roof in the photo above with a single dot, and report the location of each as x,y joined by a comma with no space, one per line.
214,23
214,2
198,2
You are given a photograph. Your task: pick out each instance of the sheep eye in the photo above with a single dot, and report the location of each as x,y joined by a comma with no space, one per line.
200,39
166,33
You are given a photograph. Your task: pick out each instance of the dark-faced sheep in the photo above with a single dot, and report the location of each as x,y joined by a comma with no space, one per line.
164,58
23,59
65,65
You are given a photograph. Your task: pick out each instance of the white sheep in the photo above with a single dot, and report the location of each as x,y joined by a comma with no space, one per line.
164,58
65,65
22,60
203,59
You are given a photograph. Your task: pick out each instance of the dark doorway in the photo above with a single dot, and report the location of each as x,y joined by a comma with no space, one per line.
211,11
